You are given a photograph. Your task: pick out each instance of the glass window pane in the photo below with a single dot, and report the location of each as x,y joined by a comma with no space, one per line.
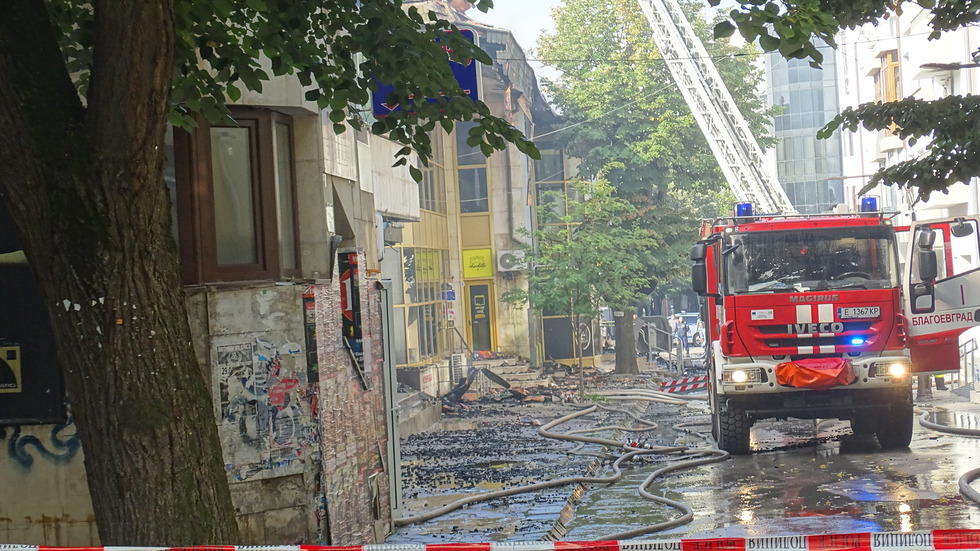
473,190
550,167
284,196
234,212
466,155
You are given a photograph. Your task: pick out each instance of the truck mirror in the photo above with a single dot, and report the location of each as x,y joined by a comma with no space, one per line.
923,297
926,238
961,228
699,278
699,251
928,268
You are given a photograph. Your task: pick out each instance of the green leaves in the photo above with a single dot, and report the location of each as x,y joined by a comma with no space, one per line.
336,49
724,30
593,254
627,118
951,123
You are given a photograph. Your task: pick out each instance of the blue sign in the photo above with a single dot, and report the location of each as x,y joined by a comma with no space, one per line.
448,293
466,75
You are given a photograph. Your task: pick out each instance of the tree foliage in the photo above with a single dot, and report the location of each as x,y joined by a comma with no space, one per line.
586,252
340,51
621,105
589,250
953,122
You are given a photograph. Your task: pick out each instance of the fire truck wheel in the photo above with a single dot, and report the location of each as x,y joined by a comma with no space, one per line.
895,429
866,424
733,431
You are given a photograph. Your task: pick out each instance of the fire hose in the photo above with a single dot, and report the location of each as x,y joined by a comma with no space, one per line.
688,458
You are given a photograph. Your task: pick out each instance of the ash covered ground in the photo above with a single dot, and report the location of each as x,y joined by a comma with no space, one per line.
488,441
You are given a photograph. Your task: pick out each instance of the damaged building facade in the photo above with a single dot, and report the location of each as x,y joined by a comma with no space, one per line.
275,223
454,264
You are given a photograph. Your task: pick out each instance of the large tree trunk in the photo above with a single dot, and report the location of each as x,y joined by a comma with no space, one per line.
625,344
84,186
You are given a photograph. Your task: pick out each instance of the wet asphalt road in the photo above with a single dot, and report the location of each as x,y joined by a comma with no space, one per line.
803,477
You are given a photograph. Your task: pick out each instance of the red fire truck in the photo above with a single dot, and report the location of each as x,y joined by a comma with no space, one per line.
808,317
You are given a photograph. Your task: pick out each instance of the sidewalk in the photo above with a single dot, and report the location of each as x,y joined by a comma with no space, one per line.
961,400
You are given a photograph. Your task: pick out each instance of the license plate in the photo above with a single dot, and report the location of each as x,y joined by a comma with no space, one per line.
859,312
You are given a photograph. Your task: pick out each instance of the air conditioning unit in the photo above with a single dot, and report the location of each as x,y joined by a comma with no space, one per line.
510,261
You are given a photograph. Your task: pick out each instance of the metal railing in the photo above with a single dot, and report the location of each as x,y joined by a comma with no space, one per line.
675,358
969,369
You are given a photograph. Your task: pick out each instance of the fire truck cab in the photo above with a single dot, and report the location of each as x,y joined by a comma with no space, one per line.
817,316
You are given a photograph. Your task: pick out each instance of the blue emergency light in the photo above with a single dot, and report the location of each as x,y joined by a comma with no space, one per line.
743,209
869,204
857,341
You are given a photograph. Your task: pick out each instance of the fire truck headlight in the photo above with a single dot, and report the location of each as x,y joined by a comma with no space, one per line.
740,376
898,369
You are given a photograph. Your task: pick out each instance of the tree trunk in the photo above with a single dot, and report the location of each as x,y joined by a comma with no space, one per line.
84,185
625,344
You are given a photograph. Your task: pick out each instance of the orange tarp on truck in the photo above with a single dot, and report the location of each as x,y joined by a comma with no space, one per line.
815,373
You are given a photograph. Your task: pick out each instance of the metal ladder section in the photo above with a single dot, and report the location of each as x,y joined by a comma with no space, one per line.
742,160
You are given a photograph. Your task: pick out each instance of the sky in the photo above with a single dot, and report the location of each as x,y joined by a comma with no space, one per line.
525,18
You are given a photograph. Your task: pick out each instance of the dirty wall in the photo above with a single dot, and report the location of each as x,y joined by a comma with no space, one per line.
354,435
252,339
42,481
303,435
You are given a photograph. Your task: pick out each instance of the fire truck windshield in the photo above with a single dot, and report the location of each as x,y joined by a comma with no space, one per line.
810,259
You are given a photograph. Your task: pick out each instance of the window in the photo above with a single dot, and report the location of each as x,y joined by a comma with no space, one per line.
466,154
432,189
419,314
550,167
473,194
888,81
236,197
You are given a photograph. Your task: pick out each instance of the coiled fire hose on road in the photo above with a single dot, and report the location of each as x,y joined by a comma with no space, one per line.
688,458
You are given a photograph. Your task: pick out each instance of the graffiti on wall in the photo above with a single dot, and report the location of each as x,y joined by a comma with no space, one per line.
61,445
266,404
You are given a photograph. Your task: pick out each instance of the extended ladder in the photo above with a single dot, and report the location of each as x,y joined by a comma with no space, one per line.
742,160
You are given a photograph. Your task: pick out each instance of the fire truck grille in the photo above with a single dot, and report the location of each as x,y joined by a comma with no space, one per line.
781,329
795,342
793,337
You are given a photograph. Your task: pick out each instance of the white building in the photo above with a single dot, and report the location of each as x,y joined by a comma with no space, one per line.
890,61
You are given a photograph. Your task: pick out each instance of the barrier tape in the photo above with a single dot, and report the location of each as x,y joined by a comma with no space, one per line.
934,540
684,381
683,385
684,388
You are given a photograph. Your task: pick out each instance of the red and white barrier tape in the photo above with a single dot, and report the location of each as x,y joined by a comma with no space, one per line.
684,388
935,540
684,381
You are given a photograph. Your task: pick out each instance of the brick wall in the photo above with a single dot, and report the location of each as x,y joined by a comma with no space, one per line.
353,421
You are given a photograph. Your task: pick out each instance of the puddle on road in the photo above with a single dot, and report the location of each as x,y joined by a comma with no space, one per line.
802,478
955,419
